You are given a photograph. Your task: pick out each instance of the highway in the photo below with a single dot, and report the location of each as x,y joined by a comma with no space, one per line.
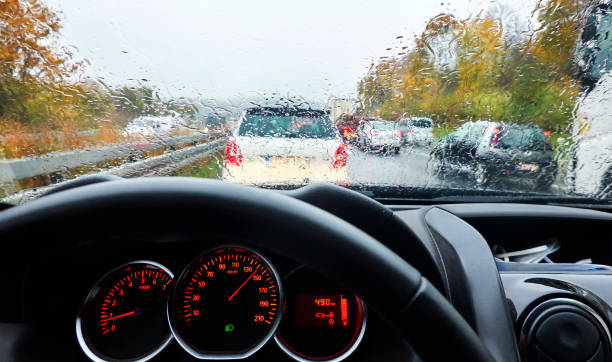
411,167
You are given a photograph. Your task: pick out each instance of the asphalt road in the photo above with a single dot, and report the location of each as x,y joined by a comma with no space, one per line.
411,167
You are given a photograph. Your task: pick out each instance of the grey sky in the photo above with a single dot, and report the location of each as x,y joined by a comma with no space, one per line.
245,49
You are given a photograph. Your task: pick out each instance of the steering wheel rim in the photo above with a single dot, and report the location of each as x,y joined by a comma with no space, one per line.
391,286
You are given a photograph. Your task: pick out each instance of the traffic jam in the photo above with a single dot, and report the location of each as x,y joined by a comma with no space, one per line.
295,146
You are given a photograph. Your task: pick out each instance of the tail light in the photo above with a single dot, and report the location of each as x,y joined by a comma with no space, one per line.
399,133
233,154
496,136
432,134
340,157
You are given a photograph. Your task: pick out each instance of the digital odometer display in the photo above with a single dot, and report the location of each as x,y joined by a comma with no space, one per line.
226,304
321,310
322,321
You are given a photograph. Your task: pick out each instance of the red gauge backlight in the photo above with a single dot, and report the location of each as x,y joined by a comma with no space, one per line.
321,322
124,315
226,304
321,310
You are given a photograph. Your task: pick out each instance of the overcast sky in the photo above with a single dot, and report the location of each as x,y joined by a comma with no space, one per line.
244,49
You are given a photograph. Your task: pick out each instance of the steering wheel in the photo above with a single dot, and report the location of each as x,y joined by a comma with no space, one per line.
182,206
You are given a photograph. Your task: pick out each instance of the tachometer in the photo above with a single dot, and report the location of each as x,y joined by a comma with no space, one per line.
123,317
226,304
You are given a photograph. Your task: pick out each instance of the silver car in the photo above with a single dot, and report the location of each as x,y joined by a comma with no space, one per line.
379,136
278,145
416,131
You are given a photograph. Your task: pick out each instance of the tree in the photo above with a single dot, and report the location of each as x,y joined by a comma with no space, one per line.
132,102
472,69
33,69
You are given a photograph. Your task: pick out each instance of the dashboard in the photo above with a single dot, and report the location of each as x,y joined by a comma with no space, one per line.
217,291
226,303
139,300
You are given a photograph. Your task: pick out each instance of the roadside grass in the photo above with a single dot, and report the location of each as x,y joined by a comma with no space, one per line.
440,132
209,167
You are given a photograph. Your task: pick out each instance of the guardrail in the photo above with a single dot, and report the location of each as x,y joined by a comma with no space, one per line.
160,165
23,168
168,162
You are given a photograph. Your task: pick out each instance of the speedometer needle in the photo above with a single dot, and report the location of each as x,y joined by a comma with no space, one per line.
119,316
241,285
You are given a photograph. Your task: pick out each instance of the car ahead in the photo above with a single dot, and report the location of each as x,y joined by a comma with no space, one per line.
281,145
416,131
492,154
347,124
378,136
140,127
150,126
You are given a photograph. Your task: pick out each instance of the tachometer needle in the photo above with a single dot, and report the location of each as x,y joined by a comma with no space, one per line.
241,285
119,316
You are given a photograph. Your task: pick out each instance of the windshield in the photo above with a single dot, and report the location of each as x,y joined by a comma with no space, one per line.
286,123
421,123
383,126
398,100
523,137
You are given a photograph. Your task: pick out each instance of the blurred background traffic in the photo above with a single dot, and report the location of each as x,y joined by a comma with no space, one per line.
499,99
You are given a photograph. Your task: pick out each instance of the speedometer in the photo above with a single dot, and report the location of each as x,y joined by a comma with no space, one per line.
226,304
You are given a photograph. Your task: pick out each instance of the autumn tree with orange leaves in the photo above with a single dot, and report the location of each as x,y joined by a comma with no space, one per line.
459,70
35,72
45,105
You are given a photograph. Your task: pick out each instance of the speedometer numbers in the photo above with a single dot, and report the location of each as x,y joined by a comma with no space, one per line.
123,317
226,304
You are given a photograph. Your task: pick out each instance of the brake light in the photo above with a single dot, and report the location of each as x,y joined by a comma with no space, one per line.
340,157
408,133
233,154
496,136
399,133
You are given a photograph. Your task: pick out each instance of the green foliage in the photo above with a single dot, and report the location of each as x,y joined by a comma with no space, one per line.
38,90
205,168
132,102
490,77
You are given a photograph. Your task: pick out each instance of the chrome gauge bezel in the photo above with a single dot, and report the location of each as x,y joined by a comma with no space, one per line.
224,356
364,321
90,351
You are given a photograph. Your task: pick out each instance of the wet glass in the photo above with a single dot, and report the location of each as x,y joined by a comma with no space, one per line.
401,98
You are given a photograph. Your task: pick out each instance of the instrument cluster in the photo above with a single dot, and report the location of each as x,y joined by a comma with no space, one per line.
226,304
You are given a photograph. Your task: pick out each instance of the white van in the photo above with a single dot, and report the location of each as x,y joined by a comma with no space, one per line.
593,136
592,130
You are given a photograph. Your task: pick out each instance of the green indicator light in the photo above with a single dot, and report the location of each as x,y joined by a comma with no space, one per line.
229,327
